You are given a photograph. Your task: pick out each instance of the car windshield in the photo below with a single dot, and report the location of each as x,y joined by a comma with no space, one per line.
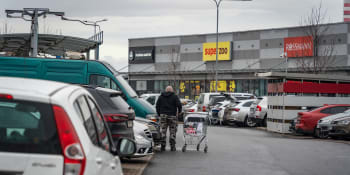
215,100
130,91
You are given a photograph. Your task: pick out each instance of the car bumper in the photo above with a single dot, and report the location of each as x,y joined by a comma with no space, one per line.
234,117
339,130
301,129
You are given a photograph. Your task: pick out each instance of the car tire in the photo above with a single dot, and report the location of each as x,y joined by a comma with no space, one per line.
249,122
264,122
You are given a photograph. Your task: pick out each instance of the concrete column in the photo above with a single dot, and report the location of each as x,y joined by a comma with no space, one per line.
88,55
97,52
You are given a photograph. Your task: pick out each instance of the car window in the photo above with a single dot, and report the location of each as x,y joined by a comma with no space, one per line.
103,81
119,102
201,99
247,104
152,100
28,127
82,109
339,109
98,118
334,110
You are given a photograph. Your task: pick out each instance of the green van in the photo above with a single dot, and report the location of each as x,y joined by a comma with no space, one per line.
77,72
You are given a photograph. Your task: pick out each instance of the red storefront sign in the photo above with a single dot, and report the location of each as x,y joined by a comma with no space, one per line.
299,46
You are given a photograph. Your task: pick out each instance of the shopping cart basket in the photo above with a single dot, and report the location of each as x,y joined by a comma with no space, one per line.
195,130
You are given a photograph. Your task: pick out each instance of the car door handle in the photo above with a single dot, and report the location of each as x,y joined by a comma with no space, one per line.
99,161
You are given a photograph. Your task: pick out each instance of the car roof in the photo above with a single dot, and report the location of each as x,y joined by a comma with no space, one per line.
31,86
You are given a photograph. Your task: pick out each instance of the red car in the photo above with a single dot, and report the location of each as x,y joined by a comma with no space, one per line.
307,121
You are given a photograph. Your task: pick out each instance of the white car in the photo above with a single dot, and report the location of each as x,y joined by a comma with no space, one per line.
54,128
151,98
258,111
204,98
238,113
144,140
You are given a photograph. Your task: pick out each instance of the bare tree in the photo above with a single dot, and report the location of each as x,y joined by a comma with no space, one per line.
173,68
323,57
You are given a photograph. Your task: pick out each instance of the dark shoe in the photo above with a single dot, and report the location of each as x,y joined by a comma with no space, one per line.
162,148
173,148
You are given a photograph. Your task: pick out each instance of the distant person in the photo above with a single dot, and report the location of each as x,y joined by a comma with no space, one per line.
168,106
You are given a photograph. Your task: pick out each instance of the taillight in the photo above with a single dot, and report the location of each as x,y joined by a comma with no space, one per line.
235,109
191,110
6,96
258,108
115,117
74,157
204,109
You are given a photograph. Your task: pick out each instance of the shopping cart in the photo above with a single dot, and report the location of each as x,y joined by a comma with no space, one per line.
195,130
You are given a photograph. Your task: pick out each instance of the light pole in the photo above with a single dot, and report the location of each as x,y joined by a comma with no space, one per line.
218,2
95,24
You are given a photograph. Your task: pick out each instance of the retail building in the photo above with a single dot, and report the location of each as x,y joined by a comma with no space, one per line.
189,61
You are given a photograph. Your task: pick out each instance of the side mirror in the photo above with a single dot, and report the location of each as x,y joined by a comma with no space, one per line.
125,147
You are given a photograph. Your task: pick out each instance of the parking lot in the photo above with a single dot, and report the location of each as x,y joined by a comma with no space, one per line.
237,150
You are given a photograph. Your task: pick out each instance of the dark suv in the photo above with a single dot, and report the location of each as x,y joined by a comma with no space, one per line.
118,114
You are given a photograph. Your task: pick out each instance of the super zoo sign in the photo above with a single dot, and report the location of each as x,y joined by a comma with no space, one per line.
209,51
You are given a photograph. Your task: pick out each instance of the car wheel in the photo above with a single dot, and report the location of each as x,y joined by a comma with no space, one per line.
249,122
264,122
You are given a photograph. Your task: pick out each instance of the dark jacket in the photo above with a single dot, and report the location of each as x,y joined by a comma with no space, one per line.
168,103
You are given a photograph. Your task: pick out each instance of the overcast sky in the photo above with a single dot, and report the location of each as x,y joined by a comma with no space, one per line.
152,18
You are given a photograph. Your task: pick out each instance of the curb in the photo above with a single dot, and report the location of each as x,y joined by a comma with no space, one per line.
136,166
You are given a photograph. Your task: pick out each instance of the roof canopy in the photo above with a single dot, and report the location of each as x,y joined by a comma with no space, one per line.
47,43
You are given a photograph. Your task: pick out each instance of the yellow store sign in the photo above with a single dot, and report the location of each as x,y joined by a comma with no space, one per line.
209,51
222,85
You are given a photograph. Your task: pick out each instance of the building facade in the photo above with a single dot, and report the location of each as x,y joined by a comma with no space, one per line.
189,62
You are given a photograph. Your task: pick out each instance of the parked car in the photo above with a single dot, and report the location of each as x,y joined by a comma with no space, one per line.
54,128
144,140
187,108
151,98
258,111
118,114
204,99
238,113
154,127
243,96
307,121
340,127
324,125
217,113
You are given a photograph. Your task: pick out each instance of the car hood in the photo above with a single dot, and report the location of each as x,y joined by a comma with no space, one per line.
330,118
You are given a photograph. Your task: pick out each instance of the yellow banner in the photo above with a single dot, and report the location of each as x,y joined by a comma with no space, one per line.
209,51
222,85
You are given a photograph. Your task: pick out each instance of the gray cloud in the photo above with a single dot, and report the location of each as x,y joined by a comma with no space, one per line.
149,18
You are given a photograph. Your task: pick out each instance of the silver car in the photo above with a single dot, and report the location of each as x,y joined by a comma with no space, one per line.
325,124
144,140
258,111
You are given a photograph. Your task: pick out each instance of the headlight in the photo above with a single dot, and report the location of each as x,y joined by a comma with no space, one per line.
343,122
152,117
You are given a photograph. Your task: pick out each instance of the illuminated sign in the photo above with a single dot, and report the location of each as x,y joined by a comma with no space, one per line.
141,55
299,46
209,51
222,86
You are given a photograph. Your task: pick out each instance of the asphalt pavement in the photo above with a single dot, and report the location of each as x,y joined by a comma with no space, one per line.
246,151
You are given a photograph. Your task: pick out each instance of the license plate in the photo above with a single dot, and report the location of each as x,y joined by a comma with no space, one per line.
130,123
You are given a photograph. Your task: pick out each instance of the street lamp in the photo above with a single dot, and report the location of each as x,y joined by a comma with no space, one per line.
94,23
218,2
